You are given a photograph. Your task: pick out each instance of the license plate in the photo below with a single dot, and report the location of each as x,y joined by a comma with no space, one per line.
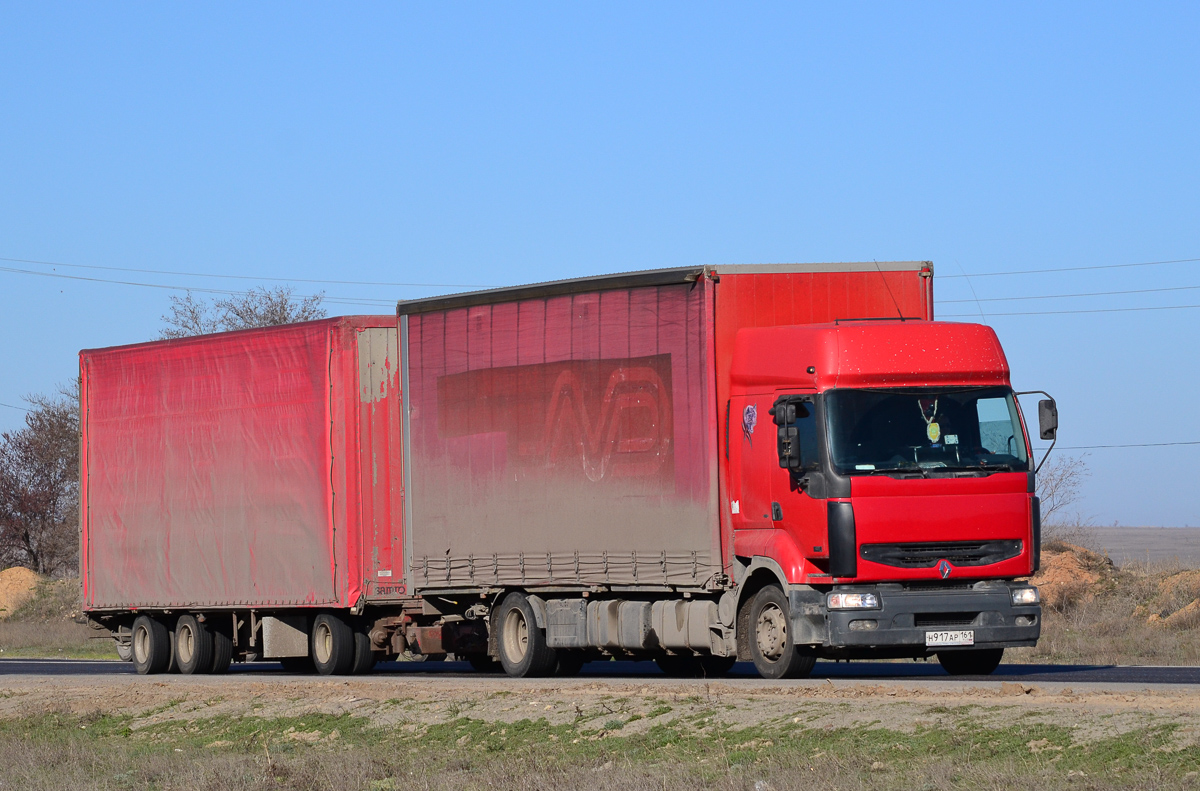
961,637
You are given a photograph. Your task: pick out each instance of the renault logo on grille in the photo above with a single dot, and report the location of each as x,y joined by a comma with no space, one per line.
944,569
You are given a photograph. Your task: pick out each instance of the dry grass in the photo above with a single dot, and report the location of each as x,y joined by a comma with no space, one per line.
46,626
1137,614
62,752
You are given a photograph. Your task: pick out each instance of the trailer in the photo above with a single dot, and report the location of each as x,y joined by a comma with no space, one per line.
772,463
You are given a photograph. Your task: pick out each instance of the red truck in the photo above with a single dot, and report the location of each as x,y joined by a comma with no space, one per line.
771,463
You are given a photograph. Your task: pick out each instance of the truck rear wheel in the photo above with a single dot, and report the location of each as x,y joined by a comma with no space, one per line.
775,655
332,645
193,646
523,649
981,662
151,645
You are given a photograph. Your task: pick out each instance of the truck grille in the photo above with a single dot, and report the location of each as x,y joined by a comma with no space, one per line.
957,553
945,618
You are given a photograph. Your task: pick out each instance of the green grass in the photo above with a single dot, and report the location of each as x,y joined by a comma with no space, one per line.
81,752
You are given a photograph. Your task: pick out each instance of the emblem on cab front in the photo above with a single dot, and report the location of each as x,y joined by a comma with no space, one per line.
944,569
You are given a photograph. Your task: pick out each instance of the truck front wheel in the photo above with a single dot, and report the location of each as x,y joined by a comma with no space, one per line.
151,643
981,662
523,649
775,655
332,645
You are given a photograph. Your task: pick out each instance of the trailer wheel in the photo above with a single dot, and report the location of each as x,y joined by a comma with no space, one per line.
332,645
193,646
775,655
981,662
125,652
222,650
151,643
364,657
523,649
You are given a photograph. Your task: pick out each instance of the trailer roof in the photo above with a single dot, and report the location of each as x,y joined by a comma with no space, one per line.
646,277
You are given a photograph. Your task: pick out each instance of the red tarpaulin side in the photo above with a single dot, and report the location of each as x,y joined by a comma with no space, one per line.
566,438
212,475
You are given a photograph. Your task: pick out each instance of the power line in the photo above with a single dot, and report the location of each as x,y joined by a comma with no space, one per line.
1070,269
1068,296
10,406
242,277
1066,312
226,292
1134,445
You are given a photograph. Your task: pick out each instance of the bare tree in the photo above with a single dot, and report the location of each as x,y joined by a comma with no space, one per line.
39,486
1058,485
260,307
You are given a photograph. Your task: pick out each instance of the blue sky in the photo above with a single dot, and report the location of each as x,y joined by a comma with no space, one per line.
472,144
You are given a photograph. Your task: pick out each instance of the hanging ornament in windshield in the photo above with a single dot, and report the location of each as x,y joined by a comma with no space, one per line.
928,407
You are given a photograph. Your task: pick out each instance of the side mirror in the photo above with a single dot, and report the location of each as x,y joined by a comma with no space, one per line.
783,414
1048,418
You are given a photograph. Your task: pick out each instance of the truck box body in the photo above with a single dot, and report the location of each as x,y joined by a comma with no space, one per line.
241,469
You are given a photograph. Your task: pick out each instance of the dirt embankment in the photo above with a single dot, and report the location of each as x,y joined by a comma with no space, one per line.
17,586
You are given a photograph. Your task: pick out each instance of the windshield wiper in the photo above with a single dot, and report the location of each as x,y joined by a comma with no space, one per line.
920,470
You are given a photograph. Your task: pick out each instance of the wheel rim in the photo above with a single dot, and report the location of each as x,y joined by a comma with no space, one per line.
771,633
516,635
323,643
141,644
185,643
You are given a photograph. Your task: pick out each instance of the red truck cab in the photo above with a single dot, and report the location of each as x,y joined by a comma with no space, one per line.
882,468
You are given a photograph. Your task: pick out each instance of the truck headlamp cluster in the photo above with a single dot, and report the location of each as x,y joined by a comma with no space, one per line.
1025,596
852,601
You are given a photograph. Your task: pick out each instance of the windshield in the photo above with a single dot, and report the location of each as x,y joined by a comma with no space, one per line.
974,428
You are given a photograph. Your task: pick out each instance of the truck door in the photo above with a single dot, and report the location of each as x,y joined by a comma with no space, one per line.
380,465
752,462
793,509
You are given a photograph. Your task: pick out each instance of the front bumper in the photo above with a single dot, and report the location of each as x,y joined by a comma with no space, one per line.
904,616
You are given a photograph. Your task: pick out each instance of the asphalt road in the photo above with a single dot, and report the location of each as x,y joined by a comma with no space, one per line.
926,672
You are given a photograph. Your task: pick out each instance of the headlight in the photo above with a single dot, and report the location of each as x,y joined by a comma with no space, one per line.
1025,596
853,601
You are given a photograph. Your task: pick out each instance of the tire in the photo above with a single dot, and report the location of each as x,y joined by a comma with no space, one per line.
775,655
364,657
193,646
569,663
332,645
222,650
151,646
522,645
125,652
483,663
981,662
299,665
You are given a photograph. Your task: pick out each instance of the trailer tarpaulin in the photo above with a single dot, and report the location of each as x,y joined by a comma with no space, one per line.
565,439
208,470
